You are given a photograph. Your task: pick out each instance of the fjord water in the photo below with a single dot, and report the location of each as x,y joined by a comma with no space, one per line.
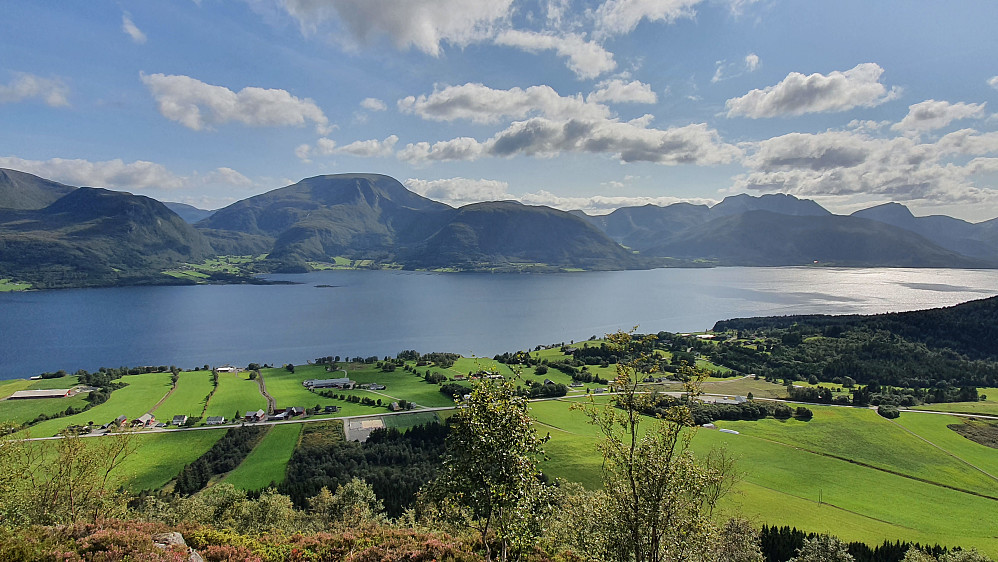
364,313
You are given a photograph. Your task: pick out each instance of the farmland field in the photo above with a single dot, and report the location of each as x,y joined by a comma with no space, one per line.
987,407
267,461
23,411
160,456
188,398
138,397
235,393
781,482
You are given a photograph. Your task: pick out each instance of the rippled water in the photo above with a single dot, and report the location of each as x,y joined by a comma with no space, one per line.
383,312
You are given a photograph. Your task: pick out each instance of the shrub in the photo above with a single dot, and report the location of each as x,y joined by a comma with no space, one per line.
888,411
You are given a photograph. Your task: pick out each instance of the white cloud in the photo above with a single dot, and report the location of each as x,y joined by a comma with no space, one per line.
587,59
304,152
751,62
370,148
423,24
930,115
616,17
325,146
197,105
725,70
111,173
629,141
848,163
481,104
618,91
460,191
798,94
993,82
25,86
373,104
227,176
129,27
601,204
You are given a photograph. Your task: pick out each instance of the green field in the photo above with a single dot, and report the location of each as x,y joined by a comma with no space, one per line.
411,419
23,411
987,407
160,456
6,286
138,397
781,482
235,393
188,398
267,461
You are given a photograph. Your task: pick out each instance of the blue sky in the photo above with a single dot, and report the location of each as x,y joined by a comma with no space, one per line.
574,104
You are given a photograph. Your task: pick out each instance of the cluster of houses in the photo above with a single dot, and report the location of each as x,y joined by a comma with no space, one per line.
342,384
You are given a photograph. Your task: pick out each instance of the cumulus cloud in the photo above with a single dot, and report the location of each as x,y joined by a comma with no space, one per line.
993,82
602,204
304,153
587,59
227,176
129,28
481,104
630,141
370,148
110,173
197,105
373,104
618,91
421,24
26,86
617,17
798,94
751,62
460,191
846,163
930,115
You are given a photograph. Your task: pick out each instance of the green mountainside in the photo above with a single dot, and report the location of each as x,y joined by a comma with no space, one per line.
22,191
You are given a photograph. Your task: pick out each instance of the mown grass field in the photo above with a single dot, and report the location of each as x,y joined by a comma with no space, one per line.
188,398
235,393
159,457
23,411
987,407
267,461
7,285
781,481
138,397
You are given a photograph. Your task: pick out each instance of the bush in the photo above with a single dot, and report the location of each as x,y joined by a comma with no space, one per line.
888,411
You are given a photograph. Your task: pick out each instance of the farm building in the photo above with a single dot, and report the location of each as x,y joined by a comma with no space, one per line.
120,421
313,384
258,415
145,420
179,420
215,420
227,369
295,411
53,393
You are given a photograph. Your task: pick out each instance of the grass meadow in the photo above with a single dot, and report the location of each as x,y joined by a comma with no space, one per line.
138,397
781,480
267,461
23,411
235,393
159,457
188,398
987,407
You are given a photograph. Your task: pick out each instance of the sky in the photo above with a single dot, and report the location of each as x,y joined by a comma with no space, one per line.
574,104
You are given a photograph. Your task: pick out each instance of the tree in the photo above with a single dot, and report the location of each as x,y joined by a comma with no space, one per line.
658,497
738,542
70,484
352,505
823,548
488,476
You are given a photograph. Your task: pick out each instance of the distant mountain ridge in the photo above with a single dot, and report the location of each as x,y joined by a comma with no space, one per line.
57,235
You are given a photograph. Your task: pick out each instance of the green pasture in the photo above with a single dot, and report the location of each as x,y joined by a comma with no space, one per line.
235,393
23,411
987,407
68,381
7,285
11,386
781,483
267,462
860,435
741,386
933,428
188,398
403,422
159,456
138,397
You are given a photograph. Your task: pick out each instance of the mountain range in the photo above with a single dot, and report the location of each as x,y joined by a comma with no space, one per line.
54,235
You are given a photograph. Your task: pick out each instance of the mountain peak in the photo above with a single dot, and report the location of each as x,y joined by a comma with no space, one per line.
782,203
